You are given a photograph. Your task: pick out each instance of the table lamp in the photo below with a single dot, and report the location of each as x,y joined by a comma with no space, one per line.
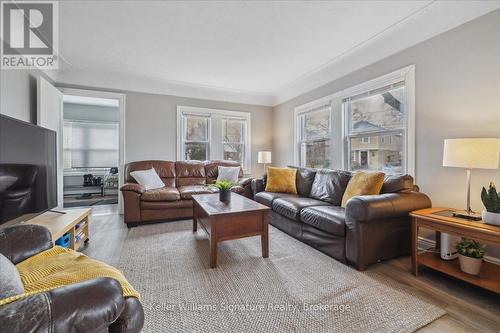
474,153
264,157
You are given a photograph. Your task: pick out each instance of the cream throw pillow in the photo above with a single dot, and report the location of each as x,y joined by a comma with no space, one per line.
148,178
228,173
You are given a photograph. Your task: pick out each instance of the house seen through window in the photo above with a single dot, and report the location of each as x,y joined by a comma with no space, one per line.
376,129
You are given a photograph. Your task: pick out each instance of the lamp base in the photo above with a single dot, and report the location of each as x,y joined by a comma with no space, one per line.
467,215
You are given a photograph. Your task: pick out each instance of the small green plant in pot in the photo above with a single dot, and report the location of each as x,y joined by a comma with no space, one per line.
470,255
224,187
491,201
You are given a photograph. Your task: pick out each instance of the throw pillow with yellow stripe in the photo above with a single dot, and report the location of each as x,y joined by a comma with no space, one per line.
281,180
363,183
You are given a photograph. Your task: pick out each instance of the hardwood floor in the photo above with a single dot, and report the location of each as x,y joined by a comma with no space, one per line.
469,308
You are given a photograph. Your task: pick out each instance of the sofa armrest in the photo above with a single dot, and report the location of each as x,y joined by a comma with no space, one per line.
257,185
378,226
89,306
138,188
19,242
245,181
368,208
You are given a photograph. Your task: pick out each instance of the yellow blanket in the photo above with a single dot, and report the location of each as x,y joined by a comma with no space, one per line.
59,267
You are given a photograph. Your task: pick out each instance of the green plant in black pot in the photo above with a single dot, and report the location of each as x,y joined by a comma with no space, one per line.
470,255
224,187
491,201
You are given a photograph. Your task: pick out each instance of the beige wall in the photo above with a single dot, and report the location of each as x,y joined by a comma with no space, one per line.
457,95
151,125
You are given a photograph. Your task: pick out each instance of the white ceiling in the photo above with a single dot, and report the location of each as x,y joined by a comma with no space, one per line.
251,52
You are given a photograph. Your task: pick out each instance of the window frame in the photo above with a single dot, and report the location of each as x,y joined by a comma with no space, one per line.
215,131
184,141
317,106
244,135
339,153
405,75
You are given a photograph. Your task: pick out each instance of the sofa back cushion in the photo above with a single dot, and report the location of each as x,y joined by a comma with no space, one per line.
330,185
397,183
190,173
10,280
212,169
304,180
164,169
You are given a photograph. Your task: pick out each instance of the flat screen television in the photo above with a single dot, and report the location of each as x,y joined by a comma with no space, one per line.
28,169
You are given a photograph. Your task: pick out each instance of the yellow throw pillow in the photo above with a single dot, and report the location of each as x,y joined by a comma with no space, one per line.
281,180
363,183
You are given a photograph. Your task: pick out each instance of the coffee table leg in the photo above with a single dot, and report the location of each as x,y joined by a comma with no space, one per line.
265,235
213,252
195,222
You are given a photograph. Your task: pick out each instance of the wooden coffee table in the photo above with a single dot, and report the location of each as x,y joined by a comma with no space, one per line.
241,217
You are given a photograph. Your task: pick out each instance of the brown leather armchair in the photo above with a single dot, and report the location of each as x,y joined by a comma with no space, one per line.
95,305
182,180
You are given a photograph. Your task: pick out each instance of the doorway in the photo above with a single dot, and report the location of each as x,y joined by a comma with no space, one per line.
92,148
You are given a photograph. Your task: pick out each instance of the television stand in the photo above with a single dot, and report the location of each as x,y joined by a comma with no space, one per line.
74,221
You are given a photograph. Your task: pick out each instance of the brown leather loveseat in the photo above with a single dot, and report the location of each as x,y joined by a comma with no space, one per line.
369,229
182,179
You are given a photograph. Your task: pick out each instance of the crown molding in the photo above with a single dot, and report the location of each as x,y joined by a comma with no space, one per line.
128,82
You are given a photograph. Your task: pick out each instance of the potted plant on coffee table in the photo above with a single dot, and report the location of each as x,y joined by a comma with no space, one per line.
470,255
491,201
224,187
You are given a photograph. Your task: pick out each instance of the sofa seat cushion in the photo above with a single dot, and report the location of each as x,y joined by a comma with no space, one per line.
161,194
291,206
188,191
267,198
329,219
155,205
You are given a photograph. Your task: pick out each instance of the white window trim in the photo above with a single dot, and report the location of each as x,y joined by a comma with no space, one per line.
406,74
306,108
224,114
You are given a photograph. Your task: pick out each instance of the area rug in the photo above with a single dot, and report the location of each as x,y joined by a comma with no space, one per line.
296,289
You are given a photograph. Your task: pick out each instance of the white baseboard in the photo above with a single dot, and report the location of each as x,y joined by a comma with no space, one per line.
431,243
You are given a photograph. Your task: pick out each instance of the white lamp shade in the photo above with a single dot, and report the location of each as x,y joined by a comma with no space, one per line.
264,157
474,153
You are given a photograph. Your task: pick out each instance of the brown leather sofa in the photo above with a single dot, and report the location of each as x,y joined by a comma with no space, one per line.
182,179
95,305
369,229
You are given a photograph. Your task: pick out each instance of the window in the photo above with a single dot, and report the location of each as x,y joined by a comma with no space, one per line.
233,139
196,137
207,134
314,137
376,129
89,144
370,126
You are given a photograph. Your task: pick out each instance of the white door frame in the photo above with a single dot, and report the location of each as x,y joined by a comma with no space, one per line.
121,153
